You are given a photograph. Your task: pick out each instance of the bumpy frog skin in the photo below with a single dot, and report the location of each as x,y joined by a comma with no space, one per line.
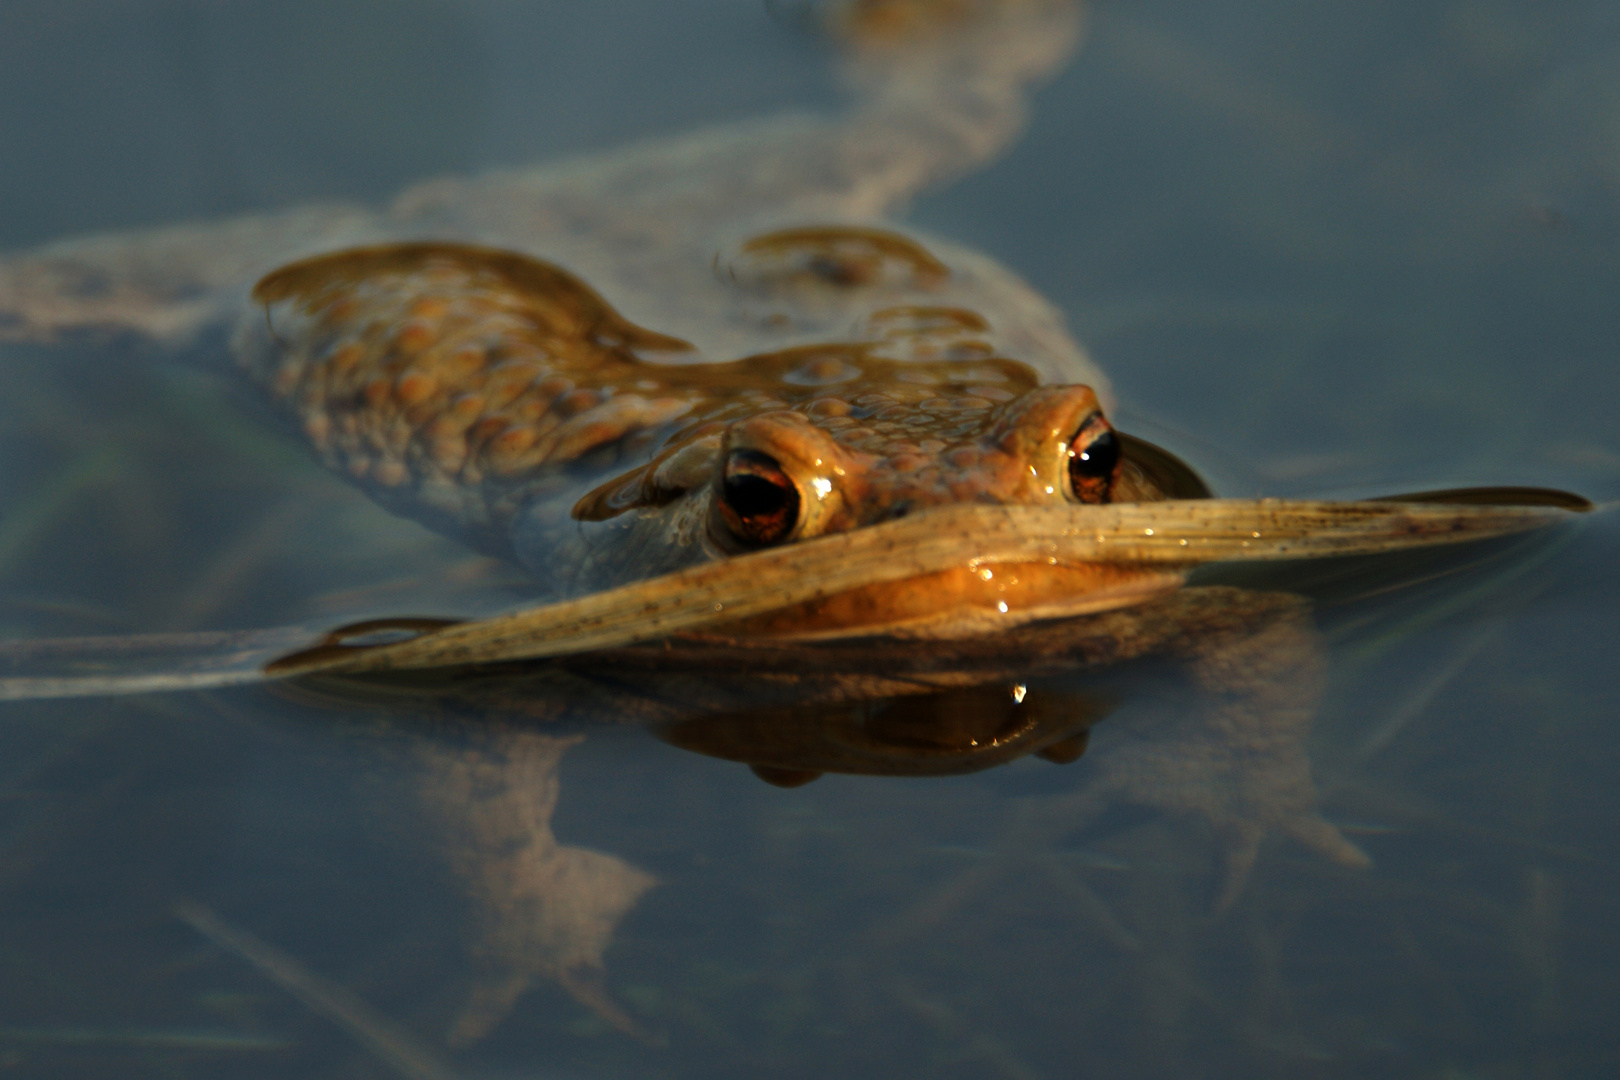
501,400
474,383
675,354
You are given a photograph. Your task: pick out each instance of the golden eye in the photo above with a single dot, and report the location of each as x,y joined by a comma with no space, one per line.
757,499
1094,453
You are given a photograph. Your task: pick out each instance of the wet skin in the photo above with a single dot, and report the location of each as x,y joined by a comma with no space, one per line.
502,400
741,358
738,357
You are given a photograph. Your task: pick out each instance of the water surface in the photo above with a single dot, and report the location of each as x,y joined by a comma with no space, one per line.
1342,249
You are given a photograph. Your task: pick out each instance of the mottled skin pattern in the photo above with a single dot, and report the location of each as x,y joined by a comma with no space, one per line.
660,228
502,400
466,380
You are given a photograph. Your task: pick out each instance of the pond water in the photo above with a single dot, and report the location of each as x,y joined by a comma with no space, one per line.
1322,250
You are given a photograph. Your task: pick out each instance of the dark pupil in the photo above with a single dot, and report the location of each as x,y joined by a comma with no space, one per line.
1096,460
761,502
754,496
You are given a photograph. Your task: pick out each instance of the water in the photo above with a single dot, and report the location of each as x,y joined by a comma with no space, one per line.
1348,248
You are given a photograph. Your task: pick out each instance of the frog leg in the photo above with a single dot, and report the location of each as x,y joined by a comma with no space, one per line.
939,86
1235,758
163,285
1218,739
661,226
541,909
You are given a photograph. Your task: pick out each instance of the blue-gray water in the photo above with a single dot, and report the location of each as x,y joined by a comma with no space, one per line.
1320,248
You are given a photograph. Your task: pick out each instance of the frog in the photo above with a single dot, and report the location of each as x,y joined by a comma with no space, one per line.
1219,745
501,400
703,351
545,435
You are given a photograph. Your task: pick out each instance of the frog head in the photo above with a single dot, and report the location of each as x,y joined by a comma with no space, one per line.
887,444
785,476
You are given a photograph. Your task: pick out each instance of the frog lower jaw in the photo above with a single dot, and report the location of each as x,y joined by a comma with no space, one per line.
961,602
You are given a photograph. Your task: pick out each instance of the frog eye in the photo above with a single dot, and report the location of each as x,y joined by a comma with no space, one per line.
1093,459
758,500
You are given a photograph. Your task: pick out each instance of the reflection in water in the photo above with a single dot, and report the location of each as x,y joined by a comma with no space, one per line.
1196,707
1217,737
926,735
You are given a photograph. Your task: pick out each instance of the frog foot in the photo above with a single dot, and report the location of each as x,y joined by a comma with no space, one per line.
1231,754
540,909
550,919
1242,797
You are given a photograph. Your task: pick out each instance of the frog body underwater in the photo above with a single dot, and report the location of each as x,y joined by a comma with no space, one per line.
708,351
805,370
685,350
699,351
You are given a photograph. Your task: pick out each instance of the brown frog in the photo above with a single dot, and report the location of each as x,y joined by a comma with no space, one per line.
500,399
814,376
739,356
757,365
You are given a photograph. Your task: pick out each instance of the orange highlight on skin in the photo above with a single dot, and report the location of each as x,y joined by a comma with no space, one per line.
1014,592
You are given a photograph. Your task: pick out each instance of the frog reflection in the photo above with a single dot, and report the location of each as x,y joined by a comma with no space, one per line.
927,735
1227,752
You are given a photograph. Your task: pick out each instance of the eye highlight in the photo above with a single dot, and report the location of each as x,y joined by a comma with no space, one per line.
758,500
1094,454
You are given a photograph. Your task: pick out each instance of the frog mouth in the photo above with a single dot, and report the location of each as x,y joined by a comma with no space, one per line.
962,601
1104,556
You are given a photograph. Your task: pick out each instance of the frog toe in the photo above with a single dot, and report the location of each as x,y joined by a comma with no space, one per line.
1324,838
1239,850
